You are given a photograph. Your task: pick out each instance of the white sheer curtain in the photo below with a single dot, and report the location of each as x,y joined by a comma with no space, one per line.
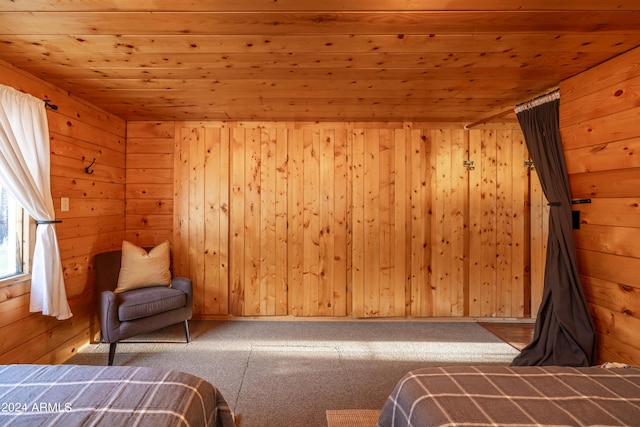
24,172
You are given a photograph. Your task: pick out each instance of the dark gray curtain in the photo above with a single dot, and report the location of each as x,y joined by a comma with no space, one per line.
564,333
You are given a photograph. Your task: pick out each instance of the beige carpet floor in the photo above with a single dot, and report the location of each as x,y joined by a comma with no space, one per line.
289,373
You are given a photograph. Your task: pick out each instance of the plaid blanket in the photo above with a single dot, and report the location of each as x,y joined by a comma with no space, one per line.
71,395
515,396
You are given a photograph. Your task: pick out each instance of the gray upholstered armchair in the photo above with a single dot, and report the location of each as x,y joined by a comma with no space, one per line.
126,314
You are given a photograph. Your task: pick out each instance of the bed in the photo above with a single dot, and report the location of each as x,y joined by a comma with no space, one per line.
74,395
522,396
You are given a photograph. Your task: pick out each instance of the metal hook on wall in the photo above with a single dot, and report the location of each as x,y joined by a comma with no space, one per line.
89,167
47,103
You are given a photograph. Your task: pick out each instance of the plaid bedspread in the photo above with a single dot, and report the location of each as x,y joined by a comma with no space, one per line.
515,396
72,395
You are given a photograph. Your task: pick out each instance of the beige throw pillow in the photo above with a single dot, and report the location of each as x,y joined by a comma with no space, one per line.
140,269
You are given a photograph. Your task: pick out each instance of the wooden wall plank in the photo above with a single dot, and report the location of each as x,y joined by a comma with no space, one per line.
252,216
387,223
281,201
295,229
612,296
196,217
371,222
267,240
401,231
311,219
441,226
216,221
504,228
212,298
607,156
520,261
475,223
606,184
326,244
600,130
488,206
421,289
459,195
614,268
340,230
237,205
358,223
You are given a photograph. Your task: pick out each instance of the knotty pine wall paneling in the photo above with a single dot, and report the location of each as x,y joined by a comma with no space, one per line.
79,132
319,223
379,216
450,199
601,133
499,240
354,219
149,182
201,231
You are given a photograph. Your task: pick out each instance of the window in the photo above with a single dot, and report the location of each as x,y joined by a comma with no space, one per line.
13,231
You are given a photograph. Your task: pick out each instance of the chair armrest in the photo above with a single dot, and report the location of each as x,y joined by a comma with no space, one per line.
184,284
109,322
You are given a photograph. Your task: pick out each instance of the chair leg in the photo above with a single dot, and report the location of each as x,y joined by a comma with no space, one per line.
186,330
112,352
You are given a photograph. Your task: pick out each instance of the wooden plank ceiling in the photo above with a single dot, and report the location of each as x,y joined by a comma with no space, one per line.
347,60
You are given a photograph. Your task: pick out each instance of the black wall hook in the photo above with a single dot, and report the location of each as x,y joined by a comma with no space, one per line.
89,167
47,103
